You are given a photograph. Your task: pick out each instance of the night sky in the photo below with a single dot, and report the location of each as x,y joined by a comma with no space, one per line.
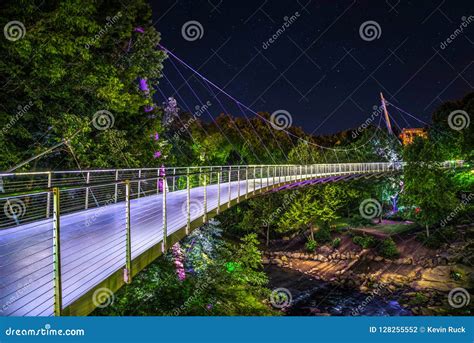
320,70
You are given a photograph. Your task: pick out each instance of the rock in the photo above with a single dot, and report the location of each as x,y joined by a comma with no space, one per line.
265,260
378,258
325,250
284,258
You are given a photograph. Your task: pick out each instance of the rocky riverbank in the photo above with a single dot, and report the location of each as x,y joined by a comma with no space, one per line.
420,277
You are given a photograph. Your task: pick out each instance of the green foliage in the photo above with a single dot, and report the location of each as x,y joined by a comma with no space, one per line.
429,191
388,249
69,65
311,245
229,281
336,242
357,220
418,299
438,237
364,241
323,235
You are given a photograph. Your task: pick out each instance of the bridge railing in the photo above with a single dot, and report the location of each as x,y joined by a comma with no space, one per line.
28,196
62,240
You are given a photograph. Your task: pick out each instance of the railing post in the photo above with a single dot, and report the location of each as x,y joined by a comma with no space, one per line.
268,176
158,181
188,203
57,253
128,265
165,228
246,182
238,184
219,190
116,185
174,177
274,174
254,180
139,183
261,179
229,189
204,217
87,190
48,196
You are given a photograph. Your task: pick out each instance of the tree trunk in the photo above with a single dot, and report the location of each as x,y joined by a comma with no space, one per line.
427,231
311,232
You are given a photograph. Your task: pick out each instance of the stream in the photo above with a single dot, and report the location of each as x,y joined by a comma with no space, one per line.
311,297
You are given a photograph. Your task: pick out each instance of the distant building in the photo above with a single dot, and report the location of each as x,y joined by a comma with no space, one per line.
408,135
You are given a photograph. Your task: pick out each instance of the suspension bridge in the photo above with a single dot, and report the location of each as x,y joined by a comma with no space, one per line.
68,237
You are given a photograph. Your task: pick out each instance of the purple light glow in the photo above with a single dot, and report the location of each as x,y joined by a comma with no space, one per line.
144,85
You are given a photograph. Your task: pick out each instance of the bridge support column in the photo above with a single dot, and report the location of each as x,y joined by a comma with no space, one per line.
127,275
58,298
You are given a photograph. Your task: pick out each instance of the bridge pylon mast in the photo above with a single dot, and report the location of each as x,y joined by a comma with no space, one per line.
387,118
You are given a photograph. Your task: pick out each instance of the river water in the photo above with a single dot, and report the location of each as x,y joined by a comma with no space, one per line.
311,297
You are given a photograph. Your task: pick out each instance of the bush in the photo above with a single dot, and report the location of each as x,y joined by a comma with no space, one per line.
357,220
323,235
437,238
311,245
364,241
388,248
336,242
418,300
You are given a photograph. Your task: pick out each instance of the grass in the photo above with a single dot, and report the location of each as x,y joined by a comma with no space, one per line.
393,229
